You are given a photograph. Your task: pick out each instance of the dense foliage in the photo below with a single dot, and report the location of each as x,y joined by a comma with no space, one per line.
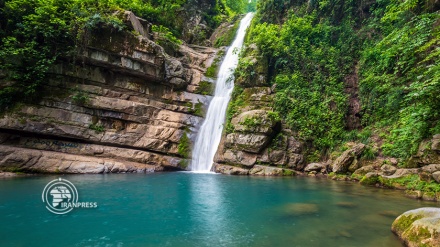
391,46
34,34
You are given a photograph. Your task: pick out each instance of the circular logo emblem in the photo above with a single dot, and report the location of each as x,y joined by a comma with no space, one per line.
59,195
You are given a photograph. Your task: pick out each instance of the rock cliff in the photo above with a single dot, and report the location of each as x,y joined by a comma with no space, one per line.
122,104
255,142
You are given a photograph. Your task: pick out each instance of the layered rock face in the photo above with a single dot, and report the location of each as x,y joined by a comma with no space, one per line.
255,142
122,105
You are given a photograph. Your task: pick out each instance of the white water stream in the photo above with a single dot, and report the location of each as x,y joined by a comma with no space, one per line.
209,135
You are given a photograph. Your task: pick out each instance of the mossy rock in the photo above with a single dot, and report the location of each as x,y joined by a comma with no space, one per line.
370,178
419,227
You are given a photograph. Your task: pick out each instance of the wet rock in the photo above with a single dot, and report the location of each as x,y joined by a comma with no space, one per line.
419,227
230,170
429,196
415,194
7,174
28,160
343,162
270,171
370,178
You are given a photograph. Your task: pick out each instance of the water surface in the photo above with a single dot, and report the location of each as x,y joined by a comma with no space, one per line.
185,209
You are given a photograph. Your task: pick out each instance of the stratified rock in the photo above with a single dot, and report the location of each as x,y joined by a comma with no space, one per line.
388,170
343,162
175,73
419,227
255,121
239,157
28,160
252,143
314,167
129,113
230,170
270,171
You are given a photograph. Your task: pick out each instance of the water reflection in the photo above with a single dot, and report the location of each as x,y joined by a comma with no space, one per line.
184,209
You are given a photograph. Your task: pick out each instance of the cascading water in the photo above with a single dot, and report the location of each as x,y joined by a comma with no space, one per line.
209,136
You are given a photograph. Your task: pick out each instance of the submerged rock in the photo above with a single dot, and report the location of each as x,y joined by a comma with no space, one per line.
419,227
346,204
296,209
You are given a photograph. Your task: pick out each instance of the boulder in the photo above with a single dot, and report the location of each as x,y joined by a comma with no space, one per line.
388,170
230,170
419,227
431,168
343,162
270,171
364,170
314,167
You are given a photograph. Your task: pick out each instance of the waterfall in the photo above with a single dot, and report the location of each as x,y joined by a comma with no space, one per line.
210,132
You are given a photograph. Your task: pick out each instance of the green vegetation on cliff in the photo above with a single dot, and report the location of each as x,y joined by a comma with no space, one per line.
326,57
35,34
